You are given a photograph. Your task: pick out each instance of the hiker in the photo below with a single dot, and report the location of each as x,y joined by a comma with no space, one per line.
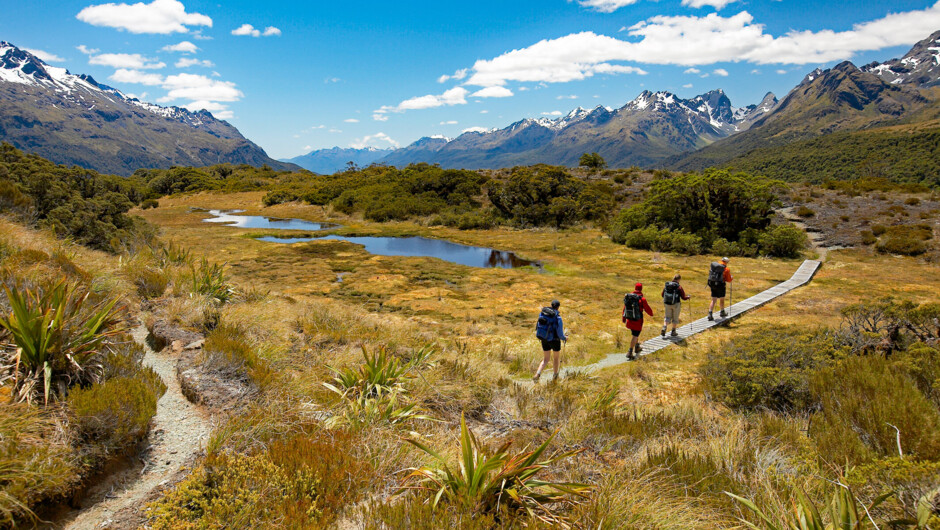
673,295
634,305
550,331
719,276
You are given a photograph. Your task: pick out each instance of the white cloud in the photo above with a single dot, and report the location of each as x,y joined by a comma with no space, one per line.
199,36
217,109
200,88
572,96
247,30
142,96
125,75
781,71
755,71
689,85
695,41
552,113
458,75
86,50
692,71
125,60
332,80
606,6
335,131
475,129
351,120
186,62
449,122
373,140
45,56
721,72
454,96
717,4
160,16
484,112
492,92
183,47
308,148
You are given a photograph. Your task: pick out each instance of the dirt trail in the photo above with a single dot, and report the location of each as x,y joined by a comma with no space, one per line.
816,238
179,432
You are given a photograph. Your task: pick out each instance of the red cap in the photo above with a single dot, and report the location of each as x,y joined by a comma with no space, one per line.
639,286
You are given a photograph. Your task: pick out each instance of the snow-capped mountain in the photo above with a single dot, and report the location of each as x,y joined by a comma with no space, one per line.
328,161
920,67
648,129
73,119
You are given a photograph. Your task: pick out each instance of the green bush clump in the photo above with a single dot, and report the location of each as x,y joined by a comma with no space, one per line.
868,237
719,208
278,196
902,244
879,229
805,211
228,350
81,204
864,402
770,368
116,414
549,196
723,247
149,203
783,241
652,238
922,364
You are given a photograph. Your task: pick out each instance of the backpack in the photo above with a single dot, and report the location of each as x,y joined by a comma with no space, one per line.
632,309
671,293
716,274
545,326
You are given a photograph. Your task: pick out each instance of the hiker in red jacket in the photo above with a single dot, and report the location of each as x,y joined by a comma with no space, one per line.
634,305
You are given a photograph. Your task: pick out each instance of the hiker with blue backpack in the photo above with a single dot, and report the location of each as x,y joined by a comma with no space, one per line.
550,330
673,295
634,305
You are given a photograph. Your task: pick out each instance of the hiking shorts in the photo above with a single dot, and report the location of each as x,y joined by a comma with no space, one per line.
672,312
551,345
635,332
718,289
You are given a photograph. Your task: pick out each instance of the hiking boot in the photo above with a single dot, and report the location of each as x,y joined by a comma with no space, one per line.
710,316
663,332
638,349
535,378
630,355
555,378
722,314
674,334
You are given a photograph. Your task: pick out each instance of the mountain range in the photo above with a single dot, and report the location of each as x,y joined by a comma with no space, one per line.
73,119
659,129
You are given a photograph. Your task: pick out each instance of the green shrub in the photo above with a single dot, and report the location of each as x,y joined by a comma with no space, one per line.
60,336
723,247
863,399
782,241
652,238
770,368
278,196
868,237
149,203
209,279
912,201
805,211
150,282
116,414
879,229
922,363
904,245
227,349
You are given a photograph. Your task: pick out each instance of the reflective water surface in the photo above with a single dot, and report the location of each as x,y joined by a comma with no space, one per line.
383,246
230,218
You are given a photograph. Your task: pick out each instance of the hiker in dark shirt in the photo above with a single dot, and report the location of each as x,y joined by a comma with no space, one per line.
634,305
719,276
673,295
550,331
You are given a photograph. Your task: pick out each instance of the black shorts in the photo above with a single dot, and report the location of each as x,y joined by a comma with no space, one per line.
551,345
718,290
635,332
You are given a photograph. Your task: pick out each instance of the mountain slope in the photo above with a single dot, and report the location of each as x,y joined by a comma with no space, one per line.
329,161
72,119
645,131
843,98
920,67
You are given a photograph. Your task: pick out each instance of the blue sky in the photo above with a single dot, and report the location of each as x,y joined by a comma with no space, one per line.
307,75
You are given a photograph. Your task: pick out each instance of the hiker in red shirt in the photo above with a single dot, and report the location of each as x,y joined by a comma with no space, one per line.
634,305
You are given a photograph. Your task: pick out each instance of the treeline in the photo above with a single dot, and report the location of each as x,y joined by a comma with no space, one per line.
530,196
901,157
717,211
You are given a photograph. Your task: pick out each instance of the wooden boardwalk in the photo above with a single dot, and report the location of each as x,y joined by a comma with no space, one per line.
802,276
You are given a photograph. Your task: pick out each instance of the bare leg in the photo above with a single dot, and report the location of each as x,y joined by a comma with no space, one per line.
722,300
546,357
711,307
555,361
633,342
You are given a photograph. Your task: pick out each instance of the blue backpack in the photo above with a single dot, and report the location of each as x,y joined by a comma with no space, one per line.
545,326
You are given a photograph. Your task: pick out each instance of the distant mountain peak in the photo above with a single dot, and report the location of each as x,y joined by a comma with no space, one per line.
919,67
